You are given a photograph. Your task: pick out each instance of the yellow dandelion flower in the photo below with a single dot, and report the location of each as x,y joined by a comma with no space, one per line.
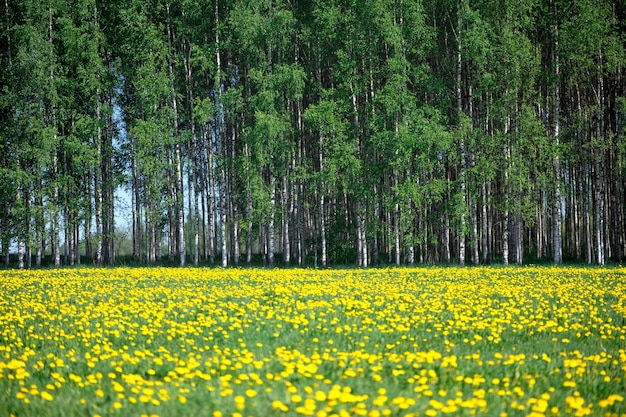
278,405
320,396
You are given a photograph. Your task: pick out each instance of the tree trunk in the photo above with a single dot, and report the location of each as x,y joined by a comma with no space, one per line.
377,215
196,211
556,220
270,225
223,234
211,196
362,256
287,204
20,253
459,110
322,202
486,238
600,218
474,224
40,225
505,236
506,191
519,239
249,215
397,231
599,215
220,137
447,256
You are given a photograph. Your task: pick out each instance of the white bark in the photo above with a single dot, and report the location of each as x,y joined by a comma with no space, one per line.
221,146
599,215
287,211
459,105
557,220
322,205
270,226
20,253
485,225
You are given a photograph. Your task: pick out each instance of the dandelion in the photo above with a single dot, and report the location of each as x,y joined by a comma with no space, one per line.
278,405
380,400
240,402
212,338
320,396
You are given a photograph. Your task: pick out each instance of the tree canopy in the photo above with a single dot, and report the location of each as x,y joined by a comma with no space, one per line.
314,132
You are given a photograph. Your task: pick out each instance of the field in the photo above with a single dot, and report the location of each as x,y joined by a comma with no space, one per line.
244,342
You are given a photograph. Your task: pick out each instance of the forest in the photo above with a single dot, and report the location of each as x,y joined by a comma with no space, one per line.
310,132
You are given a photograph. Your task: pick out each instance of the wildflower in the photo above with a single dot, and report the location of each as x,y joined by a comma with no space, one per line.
278,405
240,402
320,396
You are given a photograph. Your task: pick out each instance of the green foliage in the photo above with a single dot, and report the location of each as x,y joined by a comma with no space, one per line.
382,119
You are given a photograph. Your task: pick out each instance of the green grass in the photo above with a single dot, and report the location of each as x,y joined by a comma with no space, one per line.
432,341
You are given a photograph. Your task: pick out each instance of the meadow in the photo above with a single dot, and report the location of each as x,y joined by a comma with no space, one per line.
532,341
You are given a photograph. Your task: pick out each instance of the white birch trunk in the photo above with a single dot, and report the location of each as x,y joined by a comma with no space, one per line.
599,220
362,238
270,226
223,233
249,231
507,194
212,200
286,219
322,205
505,237
557,221
446,238
180,227
20,240
220,142
599,215
56,245
519,239
485,225
459,105
474,222
20,253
